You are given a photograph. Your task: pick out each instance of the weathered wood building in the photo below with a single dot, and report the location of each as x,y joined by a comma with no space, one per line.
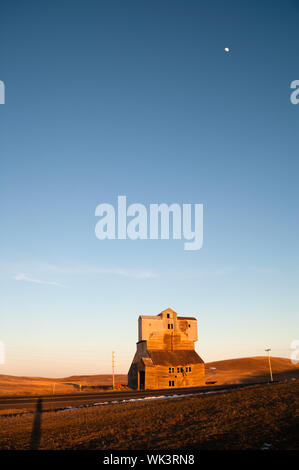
165,355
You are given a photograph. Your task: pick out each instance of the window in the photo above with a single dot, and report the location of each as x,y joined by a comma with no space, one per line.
189,325
169,370
168,316
182,370
178,369
189,369
170,326
171,383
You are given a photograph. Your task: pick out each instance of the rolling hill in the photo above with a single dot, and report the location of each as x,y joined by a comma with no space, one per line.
240,370
250,369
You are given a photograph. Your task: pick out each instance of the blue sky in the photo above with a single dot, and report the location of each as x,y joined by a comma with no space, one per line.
139,98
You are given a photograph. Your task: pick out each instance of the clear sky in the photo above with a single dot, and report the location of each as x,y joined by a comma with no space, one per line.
139,98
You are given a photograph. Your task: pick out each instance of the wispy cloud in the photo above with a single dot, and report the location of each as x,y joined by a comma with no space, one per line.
116,271
81,270
127,273
24,277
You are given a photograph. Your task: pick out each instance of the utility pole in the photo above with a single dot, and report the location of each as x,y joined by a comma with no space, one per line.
113,381
270,368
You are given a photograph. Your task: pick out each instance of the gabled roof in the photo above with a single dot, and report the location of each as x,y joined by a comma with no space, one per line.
170,310
167,310
174,358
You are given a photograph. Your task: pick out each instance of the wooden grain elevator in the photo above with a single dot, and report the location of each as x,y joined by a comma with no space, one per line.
166,356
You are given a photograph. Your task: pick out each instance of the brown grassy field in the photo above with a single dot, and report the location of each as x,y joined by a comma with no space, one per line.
13,385
250,369
237,419
244,370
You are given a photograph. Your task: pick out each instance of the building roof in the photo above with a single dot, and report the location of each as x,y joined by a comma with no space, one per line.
151,317
147,361
174,358
186,318
157,317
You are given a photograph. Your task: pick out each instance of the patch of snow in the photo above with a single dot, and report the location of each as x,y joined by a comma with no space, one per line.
68,408
266,446
132,400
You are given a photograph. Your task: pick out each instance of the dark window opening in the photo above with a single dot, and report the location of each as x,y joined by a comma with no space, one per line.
189,369
141,379
168,316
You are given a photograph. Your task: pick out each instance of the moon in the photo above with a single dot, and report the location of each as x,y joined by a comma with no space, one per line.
226,49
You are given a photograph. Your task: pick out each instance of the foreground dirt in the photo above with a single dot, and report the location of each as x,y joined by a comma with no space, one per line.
241,419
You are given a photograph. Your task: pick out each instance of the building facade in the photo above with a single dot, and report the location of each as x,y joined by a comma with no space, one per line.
165,356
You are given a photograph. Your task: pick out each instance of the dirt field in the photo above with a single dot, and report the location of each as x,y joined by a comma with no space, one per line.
250,418
12,385
244,370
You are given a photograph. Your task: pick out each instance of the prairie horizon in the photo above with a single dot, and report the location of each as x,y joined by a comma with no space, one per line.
229,371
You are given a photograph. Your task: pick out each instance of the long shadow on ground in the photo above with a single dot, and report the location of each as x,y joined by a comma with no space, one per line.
36,428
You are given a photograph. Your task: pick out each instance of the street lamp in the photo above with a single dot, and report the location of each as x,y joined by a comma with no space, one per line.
270,368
